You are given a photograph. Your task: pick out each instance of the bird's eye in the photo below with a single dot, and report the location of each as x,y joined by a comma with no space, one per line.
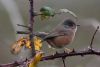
69,23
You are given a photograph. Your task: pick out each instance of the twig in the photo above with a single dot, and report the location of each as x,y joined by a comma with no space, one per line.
22,26
93,38
63,59
13,64
31,26
22,32
76,53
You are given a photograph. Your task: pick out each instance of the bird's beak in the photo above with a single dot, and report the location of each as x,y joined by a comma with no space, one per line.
77,25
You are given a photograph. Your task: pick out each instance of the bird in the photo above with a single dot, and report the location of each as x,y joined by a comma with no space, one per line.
61,36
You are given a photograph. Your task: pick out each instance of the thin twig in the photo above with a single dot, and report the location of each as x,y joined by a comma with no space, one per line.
22,32
31,26
22,26
91,44
63,59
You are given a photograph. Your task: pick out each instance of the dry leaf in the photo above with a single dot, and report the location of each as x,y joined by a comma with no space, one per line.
36,59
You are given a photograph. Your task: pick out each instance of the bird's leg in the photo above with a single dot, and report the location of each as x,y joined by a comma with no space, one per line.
49,46
56,52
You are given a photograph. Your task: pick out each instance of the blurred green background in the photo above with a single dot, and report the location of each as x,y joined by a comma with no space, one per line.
13,12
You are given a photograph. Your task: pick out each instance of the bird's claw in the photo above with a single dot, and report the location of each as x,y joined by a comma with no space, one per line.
67,50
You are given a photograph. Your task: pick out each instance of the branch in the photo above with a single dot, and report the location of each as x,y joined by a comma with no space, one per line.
57,55
60,55
13,64
75,53
31,26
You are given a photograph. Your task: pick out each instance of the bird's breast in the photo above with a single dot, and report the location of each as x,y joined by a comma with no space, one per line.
60,41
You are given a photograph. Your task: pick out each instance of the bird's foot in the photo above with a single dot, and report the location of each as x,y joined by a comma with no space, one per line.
67,50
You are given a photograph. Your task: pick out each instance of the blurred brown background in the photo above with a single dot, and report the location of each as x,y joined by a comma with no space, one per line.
13,12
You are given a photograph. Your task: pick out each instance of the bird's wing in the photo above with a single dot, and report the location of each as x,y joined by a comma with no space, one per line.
52,35
41,34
